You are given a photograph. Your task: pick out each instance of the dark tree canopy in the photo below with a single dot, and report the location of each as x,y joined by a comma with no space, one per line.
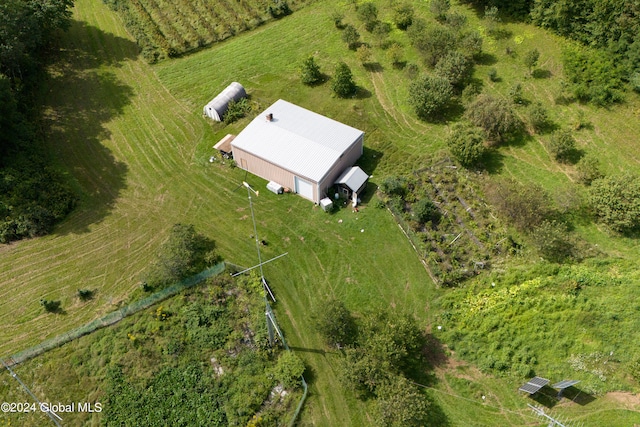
455,67
403,16
429,96
310,72
466,144
343,85
335,323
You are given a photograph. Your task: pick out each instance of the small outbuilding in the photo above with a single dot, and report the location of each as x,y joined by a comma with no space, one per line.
216,108
351,183
224,146
298,149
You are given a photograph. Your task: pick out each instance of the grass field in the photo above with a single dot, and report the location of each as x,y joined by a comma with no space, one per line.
135,145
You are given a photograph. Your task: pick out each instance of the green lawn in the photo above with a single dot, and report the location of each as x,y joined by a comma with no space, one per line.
133,141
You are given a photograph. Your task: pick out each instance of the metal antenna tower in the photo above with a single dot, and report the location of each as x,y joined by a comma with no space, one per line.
48,411
553,422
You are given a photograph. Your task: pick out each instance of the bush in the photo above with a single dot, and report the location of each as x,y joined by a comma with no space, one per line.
51,306
551,240
531,59
337,18
424,210
367,13
237,110
466,144
495,116
395,54
439,9
515,93
588,169
563,146
364,54
343,85
524,206
538,117
429,96
351,36
403,16
454,67
434,43
493,74
289,369
615,201
394,186
310,72
85,294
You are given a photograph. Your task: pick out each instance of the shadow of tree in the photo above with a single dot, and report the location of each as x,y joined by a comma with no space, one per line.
84,94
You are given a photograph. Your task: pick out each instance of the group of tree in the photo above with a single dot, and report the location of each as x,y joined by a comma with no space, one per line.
33,196
380,350
342,83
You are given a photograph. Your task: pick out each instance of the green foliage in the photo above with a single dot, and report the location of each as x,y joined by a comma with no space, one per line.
183,254
531,59
493,74
401,404
524,206
335,323
310,71
495,116
51,306
364,54
351,36
424,210
562,146
429,96
403,15
394,186
367,13
538,117
433,43
280,10
337,17
236,110
454,67
466,144
85,294
515,93
615,200
342,84
289,370
588,169
470,44
439,9
552,241
594,76
395,53
381,32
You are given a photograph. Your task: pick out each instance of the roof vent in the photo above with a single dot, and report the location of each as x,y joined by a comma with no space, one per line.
270,117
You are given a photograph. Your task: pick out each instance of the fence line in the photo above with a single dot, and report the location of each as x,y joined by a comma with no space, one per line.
113,317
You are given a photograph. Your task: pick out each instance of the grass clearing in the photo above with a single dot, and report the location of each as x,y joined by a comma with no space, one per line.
136,147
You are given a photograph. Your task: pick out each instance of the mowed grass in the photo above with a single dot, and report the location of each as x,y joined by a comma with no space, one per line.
135,144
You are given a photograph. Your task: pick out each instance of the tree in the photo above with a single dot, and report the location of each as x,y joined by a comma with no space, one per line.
429,96
495,116
381,32
433,43
184,253
403,16
491,16
351,36
335,323
551,240
588,169
615,201
538,117
439,9
563,146
401,404
343,85
471,44
424,210
466,144
524,206
515,93
395,53
310,72
531,59
364,54
454,67
289,369
368,13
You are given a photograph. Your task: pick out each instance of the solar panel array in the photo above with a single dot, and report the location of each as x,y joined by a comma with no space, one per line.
565,384
534,384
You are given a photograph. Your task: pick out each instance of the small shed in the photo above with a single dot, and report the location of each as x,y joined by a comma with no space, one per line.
352,182
216,108
224,146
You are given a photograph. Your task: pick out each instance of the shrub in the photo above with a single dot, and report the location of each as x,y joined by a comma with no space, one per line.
493,74
466,144
395,54
310,72
454,67
400,403
343,85
531,59
85,294
615,201
337,18
551,240
351,36
439,9
524,206
563,146
538,117
289,369
394,186
237,110
433,43
588,169
424,210
364,54
515,93
495,116
471,44
429,96
403,16
367,12
51,306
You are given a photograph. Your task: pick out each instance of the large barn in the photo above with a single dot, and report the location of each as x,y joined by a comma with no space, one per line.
298,149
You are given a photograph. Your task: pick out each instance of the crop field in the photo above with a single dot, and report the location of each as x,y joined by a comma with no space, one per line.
134,144
170,28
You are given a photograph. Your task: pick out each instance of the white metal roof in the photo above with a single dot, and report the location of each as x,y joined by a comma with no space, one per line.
353,178
301,141
219,105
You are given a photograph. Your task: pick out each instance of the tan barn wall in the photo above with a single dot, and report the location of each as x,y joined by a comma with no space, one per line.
348,159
